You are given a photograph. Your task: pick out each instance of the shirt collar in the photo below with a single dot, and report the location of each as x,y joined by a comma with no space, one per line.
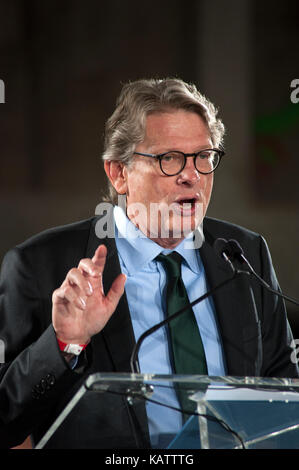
136,250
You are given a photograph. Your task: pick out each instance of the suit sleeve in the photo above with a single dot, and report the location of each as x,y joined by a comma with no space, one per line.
33,373
276,332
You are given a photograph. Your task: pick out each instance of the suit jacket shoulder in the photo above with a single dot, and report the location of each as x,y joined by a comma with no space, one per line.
216,228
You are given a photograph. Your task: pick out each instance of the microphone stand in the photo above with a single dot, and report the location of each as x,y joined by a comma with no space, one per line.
273,291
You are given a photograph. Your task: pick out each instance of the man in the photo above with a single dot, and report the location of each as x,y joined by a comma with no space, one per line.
74,300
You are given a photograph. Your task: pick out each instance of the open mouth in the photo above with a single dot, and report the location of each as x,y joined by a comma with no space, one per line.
191,201
186,206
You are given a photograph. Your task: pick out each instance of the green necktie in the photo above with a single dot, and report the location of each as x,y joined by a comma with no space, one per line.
187,348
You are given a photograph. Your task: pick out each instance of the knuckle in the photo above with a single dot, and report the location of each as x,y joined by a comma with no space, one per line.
84,261
66,290
54,294
57,292
73,271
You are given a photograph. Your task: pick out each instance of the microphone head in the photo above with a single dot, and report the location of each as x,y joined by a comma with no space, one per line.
235,248
223,250
222,247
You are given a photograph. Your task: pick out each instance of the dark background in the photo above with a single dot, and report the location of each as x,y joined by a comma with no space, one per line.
63,63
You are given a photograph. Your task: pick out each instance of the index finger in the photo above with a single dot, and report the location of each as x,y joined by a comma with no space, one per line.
99,258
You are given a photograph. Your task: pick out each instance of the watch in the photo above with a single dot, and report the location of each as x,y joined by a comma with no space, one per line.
71,348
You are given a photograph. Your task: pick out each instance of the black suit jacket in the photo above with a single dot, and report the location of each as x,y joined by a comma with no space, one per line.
37,383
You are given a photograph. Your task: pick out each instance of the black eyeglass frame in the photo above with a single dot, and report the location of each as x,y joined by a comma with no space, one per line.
159,157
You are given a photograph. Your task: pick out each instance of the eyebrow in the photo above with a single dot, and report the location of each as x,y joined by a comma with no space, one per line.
173,149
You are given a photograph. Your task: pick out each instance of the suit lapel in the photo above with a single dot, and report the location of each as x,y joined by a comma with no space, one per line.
232,312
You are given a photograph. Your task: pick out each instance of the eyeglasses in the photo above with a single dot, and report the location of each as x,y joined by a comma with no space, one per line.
172,163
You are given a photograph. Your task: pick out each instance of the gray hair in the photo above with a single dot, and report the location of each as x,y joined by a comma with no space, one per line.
126,127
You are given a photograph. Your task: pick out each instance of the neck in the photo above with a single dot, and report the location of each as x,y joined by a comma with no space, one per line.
171,241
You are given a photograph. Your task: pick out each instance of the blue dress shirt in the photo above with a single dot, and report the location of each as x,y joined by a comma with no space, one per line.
144,288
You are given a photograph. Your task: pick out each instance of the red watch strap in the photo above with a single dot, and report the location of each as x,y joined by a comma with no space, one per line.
65,346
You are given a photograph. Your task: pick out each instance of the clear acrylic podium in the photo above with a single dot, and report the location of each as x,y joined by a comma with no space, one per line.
230,412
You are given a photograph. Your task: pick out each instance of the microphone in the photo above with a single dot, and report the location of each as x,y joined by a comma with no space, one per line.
234,252
230,250
223,249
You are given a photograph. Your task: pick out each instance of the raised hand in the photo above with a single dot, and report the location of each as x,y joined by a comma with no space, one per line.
80,308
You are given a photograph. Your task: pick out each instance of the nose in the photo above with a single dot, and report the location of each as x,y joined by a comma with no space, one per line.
189,174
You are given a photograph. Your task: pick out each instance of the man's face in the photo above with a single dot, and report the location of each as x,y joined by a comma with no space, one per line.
167,208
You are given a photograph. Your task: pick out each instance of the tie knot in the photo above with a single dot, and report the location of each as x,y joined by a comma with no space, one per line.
172,263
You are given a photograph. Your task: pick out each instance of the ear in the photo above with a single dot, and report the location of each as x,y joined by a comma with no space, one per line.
117,174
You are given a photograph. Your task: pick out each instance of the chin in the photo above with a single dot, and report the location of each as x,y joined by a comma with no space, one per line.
180,229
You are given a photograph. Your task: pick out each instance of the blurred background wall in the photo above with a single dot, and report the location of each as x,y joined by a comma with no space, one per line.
63,63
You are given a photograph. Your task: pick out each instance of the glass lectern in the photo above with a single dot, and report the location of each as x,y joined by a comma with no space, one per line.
229,412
